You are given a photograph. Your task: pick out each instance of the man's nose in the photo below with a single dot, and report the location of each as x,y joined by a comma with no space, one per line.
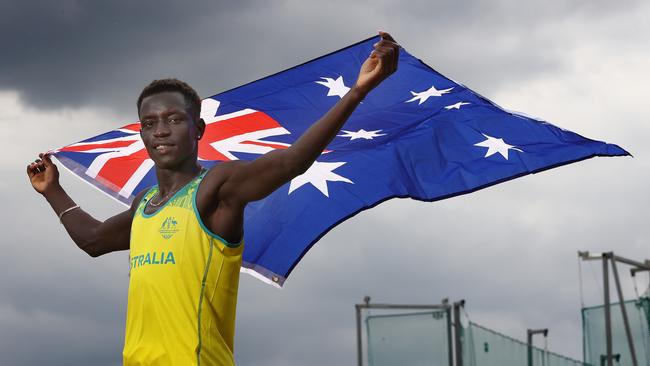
162,129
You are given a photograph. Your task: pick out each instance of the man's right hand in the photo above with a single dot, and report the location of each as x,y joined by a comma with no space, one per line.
91,235
43,174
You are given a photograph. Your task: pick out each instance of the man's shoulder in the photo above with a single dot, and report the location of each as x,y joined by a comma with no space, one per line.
220,173
214,180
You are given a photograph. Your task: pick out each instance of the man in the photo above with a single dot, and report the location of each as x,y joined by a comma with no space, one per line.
185,234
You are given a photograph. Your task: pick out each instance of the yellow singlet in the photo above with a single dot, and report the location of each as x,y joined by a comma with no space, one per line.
183,287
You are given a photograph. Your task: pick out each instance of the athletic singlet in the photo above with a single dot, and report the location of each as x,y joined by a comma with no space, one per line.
183,286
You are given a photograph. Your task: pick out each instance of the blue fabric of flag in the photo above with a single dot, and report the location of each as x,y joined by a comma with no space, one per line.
418,134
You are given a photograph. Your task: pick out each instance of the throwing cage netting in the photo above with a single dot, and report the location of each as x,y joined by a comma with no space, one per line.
423,338
486,347
593,326
416,339
594,331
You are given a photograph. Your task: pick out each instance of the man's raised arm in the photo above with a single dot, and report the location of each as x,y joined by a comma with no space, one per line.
92,236
251,181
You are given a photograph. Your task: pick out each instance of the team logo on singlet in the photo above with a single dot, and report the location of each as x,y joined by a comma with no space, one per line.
168,227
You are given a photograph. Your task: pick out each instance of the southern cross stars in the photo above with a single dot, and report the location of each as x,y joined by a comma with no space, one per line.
431,92
362,134
318,175
496,145
336,87
456,106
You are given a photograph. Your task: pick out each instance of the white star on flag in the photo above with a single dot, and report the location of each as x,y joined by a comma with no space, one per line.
456,106
431,92
496,145
362,134
318,175
336,87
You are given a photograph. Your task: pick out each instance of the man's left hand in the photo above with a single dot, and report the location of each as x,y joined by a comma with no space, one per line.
379,65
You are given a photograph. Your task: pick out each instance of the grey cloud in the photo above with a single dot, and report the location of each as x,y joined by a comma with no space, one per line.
58,306
34,338
508,250
70,53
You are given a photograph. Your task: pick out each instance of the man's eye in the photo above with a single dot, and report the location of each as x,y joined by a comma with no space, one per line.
174,120
146,123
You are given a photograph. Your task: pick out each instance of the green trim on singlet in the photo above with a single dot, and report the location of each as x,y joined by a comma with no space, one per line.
144,214
192,185
172,199
205,228
205,276
143,201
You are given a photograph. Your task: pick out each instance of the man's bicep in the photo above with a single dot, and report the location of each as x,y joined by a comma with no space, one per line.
114,234
254,180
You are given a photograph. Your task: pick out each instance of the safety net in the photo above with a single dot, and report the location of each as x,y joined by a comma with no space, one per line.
486,347
414,339
594,337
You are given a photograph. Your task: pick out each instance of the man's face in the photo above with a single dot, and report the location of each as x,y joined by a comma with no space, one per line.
169,130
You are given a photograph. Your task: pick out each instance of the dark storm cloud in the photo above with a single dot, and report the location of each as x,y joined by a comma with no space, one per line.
509,250
69,53
74,53
489,45
57,305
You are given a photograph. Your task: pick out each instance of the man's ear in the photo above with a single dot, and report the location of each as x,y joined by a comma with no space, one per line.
201,126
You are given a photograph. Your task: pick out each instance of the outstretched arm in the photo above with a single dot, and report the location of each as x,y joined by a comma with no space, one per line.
251,181
91,235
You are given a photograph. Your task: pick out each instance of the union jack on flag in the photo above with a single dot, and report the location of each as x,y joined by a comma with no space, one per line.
418,135
118,161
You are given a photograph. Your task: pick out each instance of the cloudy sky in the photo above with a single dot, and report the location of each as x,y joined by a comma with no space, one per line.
72,69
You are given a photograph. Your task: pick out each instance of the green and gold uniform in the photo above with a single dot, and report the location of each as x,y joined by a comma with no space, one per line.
183,286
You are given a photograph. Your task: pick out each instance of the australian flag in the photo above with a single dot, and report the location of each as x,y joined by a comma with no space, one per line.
418,135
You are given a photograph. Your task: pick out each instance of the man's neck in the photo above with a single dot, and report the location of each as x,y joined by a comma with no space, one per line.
170,180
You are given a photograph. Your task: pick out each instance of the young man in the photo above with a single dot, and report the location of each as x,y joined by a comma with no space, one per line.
185,234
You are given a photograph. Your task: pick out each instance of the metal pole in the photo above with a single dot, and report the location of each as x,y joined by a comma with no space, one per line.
358,307
530,333
367,305
450,350
608,319
457,331
529,342
634,270
641,265
359,357
616,357
405,306
638,267
621,301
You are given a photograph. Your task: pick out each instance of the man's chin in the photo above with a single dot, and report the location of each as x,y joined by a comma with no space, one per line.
166,164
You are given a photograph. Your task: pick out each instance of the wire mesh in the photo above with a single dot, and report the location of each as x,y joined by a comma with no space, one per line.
593,326
485,347
416,339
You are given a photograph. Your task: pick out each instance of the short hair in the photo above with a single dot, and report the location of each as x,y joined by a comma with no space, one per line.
192,98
